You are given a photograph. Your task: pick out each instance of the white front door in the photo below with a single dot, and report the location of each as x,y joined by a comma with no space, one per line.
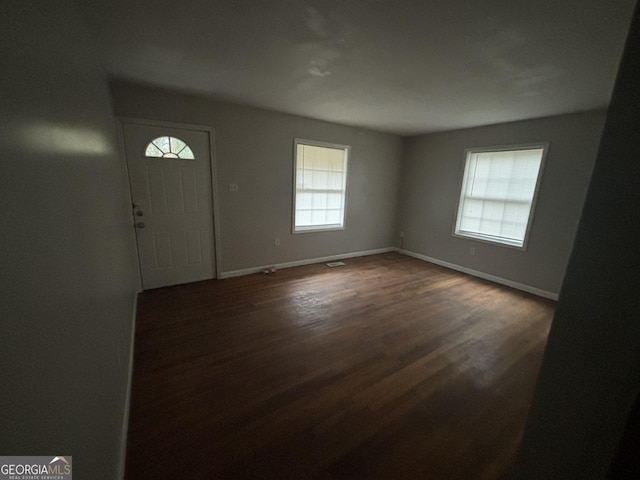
170,178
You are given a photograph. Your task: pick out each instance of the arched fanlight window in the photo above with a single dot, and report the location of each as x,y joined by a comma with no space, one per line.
169,147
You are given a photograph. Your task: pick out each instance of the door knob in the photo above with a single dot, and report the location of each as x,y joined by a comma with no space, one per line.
140,225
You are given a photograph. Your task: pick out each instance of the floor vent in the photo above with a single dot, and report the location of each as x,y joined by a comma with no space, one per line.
335,264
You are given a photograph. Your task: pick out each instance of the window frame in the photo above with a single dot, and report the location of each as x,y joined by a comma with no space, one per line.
544,145
316,143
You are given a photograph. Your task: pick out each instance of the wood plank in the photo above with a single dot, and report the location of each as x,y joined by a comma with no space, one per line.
388,367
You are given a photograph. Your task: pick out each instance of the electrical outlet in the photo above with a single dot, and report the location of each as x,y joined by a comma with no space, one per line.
233,187
277,241
401,234
472,251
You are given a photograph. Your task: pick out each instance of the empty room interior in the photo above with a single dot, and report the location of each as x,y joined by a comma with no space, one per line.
318,239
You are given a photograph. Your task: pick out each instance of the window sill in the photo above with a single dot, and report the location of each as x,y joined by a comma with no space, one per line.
316,229
515,244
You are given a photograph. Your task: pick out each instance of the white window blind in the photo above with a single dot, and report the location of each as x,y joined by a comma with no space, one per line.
320,186
498,190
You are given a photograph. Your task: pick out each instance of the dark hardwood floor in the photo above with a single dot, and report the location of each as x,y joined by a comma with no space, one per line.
386,368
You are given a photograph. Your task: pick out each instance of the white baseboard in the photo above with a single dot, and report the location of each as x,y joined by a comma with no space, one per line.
309,261
492,278
502,281
127,398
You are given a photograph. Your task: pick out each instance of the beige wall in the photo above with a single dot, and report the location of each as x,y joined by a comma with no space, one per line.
432,170
409,185
254,149
68,276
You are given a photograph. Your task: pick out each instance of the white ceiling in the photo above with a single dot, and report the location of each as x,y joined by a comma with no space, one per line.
399,66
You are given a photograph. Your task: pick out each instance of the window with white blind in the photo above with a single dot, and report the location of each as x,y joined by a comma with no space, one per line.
320,186
498,193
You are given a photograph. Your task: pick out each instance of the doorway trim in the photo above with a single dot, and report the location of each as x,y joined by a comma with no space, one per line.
217,251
